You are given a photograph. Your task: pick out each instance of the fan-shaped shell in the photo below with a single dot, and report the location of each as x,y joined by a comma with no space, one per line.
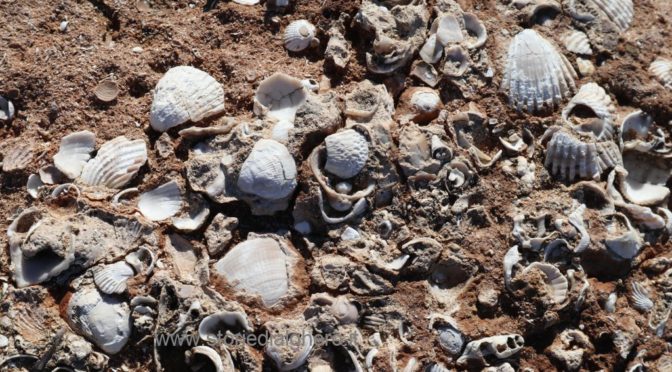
646,178
74,152
112,278
474,26
556,283
269,171
19,156
259,266
347,153
595,98
531,82
577,42
618,12
185,93
162,202
103,319
116,163
661,68
299,35
640,298
33,184
568,156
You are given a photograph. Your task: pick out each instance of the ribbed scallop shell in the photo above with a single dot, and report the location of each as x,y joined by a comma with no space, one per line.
185,93
619,12
258,266
556,283
569,157
598,101
661,68
640,298
116,163
162,202
347,153
112,278
269,171
18,157
299,35
577,42
74,152
532,82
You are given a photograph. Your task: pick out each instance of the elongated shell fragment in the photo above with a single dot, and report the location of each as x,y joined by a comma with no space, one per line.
299,35
75,151
269,171
185,93
162,202
116,163
347,153
532,82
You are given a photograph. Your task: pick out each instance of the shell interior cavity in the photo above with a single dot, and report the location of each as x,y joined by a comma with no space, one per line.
279,97
116,163
646,178
347,153
556,283
269,172
598,114
536,75
185,93
112,278
299,35
162,202
75,151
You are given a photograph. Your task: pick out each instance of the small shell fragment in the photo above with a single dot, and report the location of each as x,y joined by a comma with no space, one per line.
661,68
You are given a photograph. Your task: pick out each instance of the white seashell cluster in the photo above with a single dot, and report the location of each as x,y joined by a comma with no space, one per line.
116,163
75,151
185,93
269,172
347,153
300,35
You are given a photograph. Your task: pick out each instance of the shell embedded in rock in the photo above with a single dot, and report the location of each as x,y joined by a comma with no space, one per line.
423,104
162,202
636,126
215,325
577,42
457,61
645,183
18,157
291,355
556,283
496,347
279,96
347,153
533,83
116,163
103,319
74,152
299,35
269,171
112,278
432,50
474,26
259,266
448,30
185,93
661,68
601,115
205,358
618,12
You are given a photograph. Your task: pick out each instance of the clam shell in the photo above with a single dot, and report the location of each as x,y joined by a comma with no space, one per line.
106,91
568,157
116,163
636,126
618,12
556,283
162,202
448,30
33,184
112,278
269,171
347,153
646,178
577,42
474,26
299,35
278,97
205,358
74,152
457,61
103,319
259,266
533,83
432,50
661,68
17,157
593,97
215,325
640,298
195,216
185,93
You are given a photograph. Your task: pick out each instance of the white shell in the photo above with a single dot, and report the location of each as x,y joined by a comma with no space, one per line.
196,215
216,325
432,50
499,347
448,30
556,283
33,184
75,151
347,153
646,179
299,35
457,61
194,356
577,42
568,157
636,126
246,2
258,266
6,109
598,101
116,163
19,156
279,96
112,278
661,68
269,171
640,298
476,27
162,202
619,12
185,93
627,244
426,102
511,258
103,319
532,82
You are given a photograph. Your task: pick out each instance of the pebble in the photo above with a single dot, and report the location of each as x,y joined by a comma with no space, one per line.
4,342
137,50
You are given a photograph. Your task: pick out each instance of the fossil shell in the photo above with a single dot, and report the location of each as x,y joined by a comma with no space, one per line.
661,68
640,298
448,30
289,355
259,266
214,326
619,12
75,151
269,171
593,97
196,215
103,319
162,202
299,35
432,50
646,178
106,91
636,126
185,93
627,244
112,278
347,153
457,61
577,42
18,157
116,163
6,109
555,282
474,26
33,185
568,156
205,358
426,73
533,83
498,347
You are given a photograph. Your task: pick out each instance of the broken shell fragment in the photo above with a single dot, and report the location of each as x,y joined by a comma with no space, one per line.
448,30
577,42
74,152
646,179
106,91
215,326
184,94
33,185
498,347
290,355
269,172
162,202
600,117
661,68
278,98
17,157
475,27
457,61
640,298
347,153
299,35
204,358
556,283
116,163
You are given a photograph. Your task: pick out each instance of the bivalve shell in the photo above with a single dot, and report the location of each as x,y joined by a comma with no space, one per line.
17,157
347,153
299,35
162,202
112,278
74,152
556,283
577,42
269,171
661,68
602,111
116,163
106,91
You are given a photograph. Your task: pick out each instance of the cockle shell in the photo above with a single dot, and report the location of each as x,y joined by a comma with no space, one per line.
112,278
261,267
279,96
602,111
347,153
533,83
299,35
640,298
75,151
661,68
116,163
577,42
618,12
162,202
185,93
103,319
269,172
17,157
556,283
